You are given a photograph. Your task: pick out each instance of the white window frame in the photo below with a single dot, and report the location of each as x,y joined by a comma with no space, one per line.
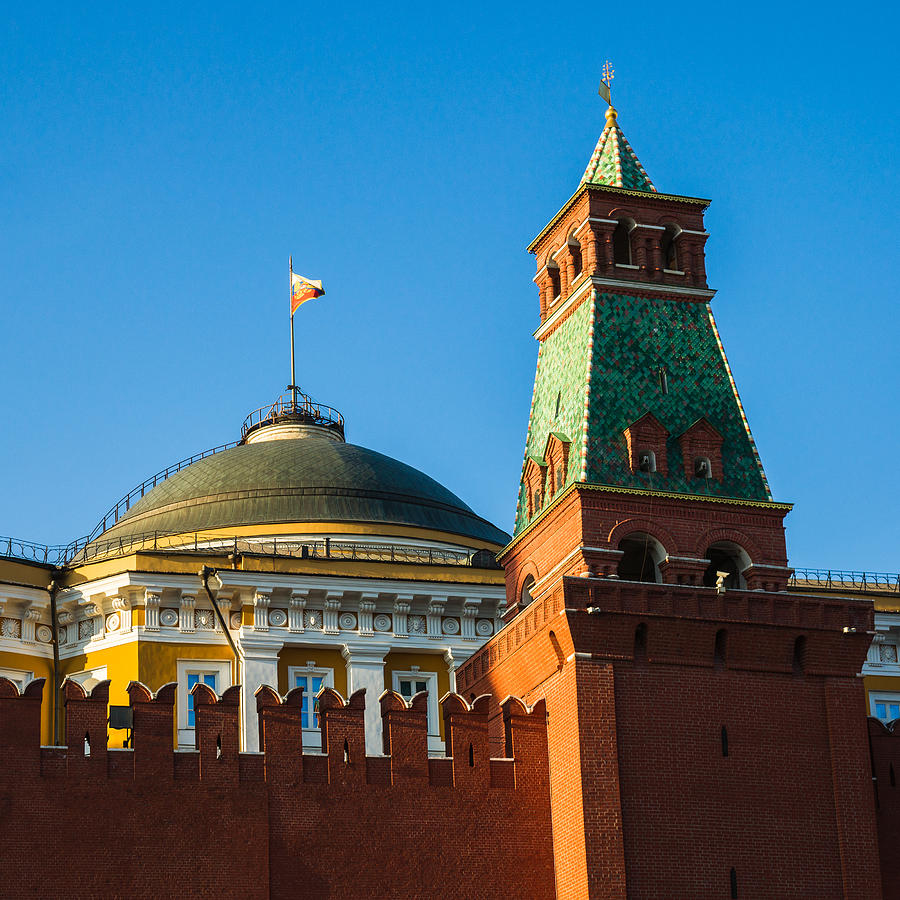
89,678
23,676
883,697
434,730
312,736
185,667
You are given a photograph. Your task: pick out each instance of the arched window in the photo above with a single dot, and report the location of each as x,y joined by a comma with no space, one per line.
553,270
575,251
622,242
702,467
726,560
525,595
641,556
668,246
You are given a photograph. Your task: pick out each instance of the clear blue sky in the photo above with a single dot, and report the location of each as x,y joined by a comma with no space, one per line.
160,163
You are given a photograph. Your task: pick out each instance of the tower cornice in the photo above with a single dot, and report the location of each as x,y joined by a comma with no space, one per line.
639,493
588,188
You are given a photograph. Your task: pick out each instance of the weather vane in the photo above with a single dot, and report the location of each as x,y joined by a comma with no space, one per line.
606,84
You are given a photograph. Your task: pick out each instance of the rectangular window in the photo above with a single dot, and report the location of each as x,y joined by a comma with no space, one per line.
208,678
312,679
214,673
408,684
409,687
885,706
311,685
19,677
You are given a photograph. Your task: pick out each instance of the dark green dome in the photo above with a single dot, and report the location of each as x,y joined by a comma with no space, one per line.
310,479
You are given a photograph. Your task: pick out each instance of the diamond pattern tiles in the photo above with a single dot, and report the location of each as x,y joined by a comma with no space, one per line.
617,344
562,371
637,336
616,164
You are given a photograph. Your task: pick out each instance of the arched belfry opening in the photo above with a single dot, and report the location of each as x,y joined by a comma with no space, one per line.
525,597
641,556
575,252
622,242
728,558
668,246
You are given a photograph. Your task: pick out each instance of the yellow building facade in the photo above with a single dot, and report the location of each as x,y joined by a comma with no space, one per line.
327,565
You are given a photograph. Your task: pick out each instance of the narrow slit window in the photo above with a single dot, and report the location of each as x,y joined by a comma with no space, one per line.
733,880
471,757
664,381
724,741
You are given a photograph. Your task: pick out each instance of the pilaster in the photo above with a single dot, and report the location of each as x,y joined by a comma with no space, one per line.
365,669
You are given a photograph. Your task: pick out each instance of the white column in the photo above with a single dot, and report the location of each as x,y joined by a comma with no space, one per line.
365,669
260,667
454,659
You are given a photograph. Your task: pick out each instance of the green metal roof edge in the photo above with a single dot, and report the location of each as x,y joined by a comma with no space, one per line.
606,188
613,489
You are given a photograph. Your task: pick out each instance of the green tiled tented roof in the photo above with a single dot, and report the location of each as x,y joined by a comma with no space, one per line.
614,162
296,481
604,362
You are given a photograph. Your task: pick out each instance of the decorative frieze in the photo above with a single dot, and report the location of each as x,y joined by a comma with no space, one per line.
151,610
467,623
401,615
122,605
367,614
330,624
30,617
186,612
204,620
435,614
10,628
296,606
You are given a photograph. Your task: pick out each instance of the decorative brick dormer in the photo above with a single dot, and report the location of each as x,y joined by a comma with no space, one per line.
647,436
534,478
556,456
701,446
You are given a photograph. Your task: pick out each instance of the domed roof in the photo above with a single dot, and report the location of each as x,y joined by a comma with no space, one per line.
309,479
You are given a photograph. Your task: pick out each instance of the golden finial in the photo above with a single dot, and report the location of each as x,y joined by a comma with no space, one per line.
605,91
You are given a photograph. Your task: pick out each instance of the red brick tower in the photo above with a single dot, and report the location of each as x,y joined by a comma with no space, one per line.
706,729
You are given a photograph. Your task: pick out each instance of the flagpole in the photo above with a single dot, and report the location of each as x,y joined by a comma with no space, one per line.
291,295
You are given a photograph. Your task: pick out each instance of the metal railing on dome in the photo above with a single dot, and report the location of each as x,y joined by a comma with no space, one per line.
842,579
80,553
294,408
122,507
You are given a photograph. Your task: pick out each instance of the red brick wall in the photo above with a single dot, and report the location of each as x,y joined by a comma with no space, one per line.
644,802
885,748
217,823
